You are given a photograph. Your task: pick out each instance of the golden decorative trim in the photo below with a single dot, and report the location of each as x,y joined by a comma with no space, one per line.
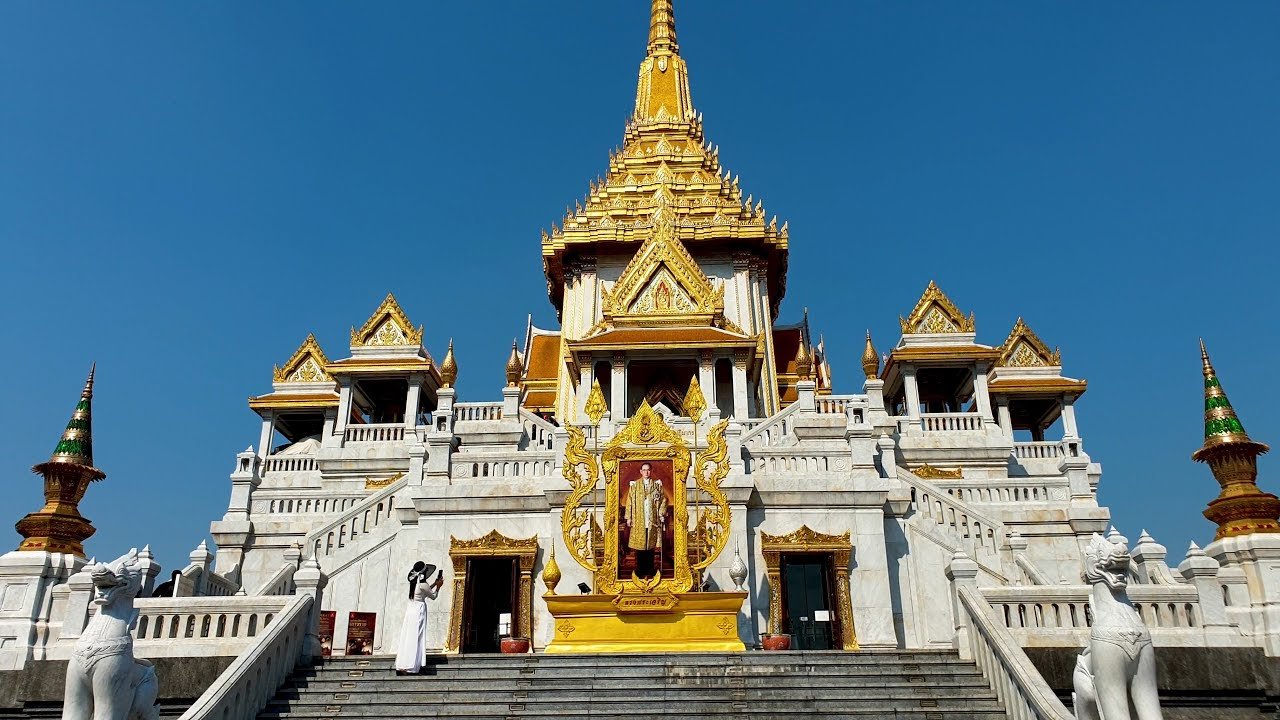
495,544
929,472
935,313
371,484
308,364
1023,348
288,401
388,325
806,540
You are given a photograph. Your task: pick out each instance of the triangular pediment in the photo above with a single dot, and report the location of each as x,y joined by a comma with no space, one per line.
388,326
934,313
1023,348
308,364
662,278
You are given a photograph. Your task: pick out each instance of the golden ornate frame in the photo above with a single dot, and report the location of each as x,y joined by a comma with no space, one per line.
806,540
495,544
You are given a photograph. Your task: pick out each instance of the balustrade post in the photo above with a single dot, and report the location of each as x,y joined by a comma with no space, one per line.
77,607
912,391
962,572
806,396
311,581
150,569
1202,571
511,403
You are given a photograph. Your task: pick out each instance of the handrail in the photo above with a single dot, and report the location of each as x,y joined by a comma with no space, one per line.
252,679
949,510
542,434
280,583
1021,688
316,540
748,438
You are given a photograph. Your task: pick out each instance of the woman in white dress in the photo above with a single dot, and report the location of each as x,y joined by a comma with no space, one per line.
412,650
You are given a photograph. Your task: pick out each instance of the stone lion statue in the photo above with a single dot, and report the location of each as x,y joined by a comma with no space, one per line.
104,680
1118,666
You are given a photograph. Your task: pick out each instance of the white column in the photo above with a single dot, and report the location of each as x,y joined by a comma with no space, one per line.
344,406
618,388
740,384
912,391
742,293
1069,430
268,434
707,378
585,363
1002,412
411,401
980,394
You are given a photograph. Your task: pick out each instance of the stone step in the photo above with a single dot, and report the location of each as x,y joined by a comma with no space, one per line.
725,711
616,694
800,682
869,674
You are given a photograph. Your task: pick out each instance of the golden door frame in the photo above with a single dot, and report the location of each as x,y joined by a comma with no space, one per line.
807,540
493,545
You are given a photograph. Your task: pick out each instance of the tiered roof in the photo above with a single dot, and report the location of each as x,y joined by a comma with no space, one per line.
664,158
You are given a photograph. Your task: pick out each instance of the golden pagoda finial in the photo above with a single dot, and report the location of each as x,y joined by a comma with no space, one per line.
662,94
694,402
870,359
804,360
551,572
449,367
1240,508
58,527
515,368
662,28
596,406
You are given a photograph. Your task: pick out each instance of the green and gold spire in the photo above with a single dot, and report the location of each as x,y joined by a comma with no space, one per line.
58,526
1241,508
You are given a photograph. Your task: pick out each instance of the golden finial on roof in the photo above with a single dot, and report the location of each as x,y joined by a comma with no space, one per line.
1240,508
596,407
662,28
804,360
663,91
449,367
515,368
58,527
870,359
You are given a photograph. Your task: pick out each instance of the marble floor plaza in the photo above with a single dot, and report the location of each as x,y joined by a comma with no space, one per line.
667,498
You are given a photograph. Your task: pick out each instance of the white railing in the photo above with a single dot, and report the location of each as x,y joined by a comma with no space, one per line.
281,583
962,520
248,684
1021,688
477,411
359,520
199,581
374,433
1021,492
537,466
832,404
312,504
1066,607
769,461
189,627
288,463
942,422
772,430
542,434
1037,450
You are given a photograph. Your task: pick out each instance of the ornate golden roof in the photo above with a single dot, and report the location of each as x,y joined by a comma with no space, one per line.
308,364
387,326
935,313
1023,348
663,146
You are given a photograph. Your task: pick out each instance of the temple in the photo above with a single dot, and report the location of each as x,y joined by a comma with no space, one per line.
845,521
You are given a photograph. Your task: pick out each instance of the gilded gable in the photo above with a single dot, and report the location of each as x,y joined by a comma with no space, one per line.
308,364
388,326
935,313
1023,348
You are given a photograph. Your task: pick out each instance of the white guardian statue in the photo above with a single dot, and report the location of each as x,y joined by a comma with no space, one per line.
104,680
1118,666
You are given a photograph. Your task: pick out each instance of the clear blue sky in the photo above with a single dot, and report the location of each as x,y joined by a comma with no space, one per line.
187,189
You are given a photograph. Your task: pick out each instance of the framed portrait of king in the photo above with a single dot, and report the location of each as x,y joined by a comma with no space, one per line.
646,527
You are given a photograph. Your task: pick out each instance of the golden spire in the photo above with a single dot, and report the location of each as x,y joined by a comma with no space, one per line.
58,526
515,368
1240,508
804,361
662,94
662,29
449,367
870,359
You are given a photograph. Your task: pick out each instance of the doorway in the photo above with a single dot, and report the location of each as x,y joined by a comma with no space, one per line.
807,600
490,592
